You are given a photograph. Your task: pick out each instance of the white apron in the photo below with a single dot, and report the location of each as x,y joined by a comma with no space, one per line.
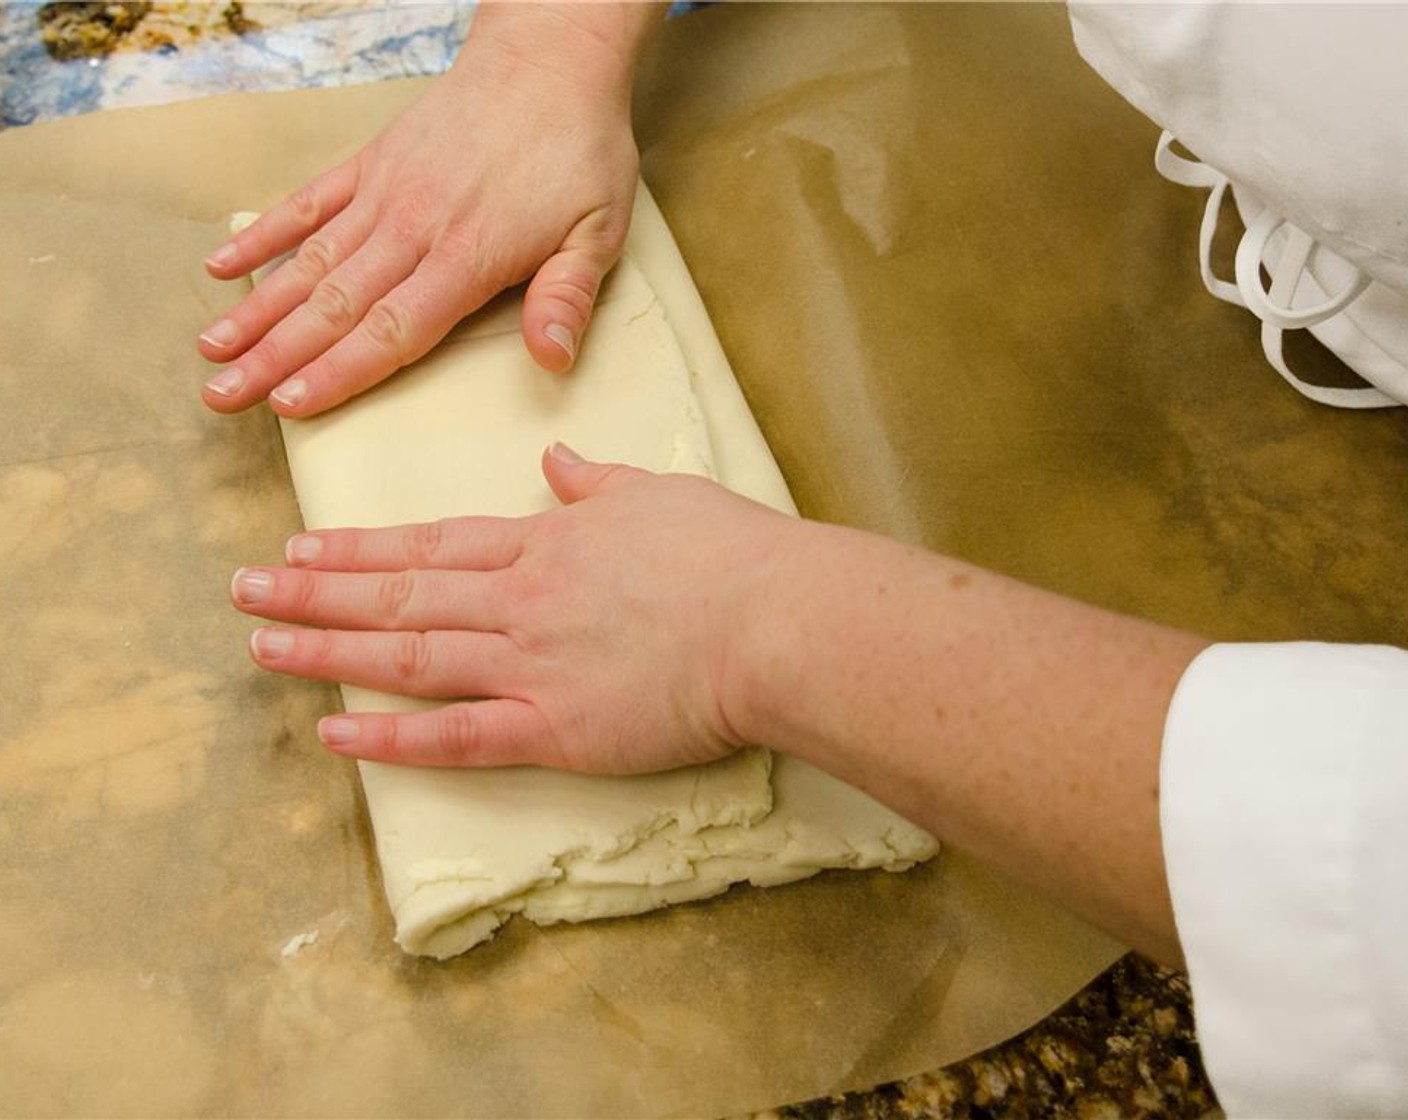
1303,109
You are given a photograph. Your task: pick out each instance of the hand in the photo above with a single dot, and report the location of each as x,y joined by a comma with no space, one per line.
598,636
505,169
658,621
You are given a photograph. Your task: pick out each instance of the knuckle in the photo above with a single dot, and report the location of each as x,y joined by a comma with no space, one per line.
614,474
463,241
394,596
607,226
316,256
461,732
393,743
306,204
425,544
536,618
577,288
388,326
524,586
550,532
411,657
406,219
319,650
267,354
406,225
303,596
330,372
334,304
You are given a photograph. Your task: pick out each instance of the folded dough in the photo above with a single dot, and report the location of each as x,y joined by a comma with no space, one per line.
461,433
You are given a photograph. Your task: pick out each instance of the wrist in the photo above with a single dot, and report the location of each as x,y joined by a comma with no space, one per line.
591,49
773,611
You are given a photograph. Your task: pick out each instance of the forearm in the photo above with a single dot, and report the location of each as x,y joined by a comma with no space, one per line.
594,45
659,621
1019,725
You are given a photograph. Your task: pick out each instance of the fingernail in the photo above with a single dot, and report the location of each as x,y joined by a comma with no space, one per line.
223,333
251,585
227,384
564,454
225,255
270,643
563,337
303,550
337,731
290,392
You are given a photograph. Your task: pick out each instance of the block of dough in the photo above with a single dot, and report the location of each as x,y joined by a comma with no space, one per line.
461,433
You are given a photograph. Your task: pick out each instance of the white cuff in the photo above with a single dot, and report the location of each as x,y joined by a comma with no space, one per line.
1284,806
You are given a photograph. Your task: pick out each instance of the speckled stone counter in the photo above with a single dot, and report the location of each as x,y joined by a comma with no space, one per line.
1124,1047
60,59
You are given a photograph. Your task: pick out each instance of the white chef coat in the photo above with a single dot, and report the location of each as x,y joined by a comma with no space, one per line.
1284,785
1284,805
1301,107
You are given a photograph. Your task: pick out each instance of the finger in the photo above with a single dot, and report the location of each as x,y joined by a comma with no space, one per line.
279,293
573,478
475,733
559,301
396,330
333,308
474,543
409,600
280,229
288,285
436,665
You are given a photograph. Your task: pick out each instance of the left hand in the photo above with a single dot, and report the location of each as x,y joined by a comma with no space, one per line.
594,637
518,164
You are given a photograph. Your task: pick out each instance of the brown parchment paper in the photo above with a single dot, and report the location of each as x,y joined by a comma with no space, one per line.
965,312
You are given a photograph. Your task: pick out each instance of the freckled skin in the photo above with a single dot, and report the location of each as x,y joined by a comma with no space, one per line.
1021,726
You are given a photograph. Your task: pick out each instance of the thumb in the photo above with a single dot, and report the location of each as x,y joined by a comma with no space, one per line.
560,298
573,478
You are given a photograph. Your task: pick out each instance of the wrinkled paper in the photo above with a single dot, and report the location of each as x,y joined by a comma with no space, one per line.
965,313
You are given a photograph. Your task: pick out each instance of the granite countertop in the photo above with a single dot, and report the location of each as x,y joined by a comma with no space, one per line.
1125,1046
60,59
1122,1048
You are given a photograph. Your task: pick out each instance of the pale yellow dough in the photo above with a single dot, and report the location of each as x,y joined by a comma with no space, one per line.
461,433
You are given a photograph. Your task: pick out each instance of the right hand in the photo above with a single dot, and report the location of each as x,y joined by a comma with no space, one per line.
602,636
507,168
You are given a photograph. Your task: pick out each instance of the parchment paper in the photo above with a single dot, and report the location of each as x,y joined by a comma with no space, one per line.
965,313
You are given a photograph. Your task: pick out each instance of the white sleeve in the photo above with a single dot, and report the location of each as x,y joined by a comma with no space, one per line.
1284,809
